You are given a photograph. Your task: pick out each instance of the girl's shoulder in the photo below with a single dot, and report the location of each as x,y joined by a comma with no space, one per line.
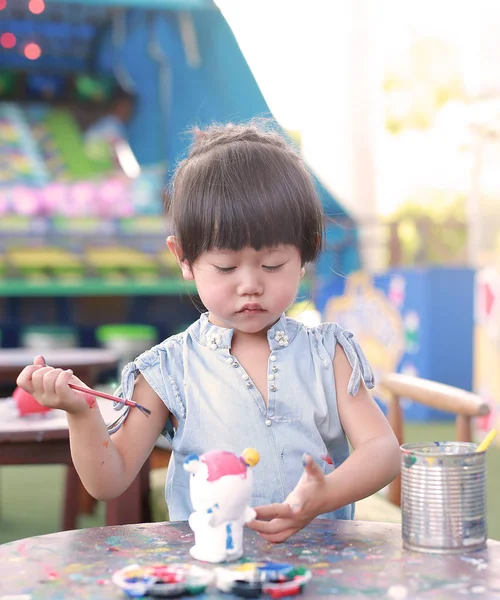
323,341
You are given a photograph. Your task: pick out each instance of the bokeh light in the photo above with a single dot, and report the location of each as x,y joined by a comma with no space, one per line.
36,6
32,51
7,40
3,4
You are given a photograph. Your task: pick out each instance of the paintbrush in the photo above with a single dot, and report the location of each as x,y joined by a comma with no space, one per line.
487,441
92,392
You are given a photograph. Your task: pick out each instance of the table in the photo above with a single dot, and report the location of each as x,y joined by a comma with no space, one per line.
86,363
46,441
348,559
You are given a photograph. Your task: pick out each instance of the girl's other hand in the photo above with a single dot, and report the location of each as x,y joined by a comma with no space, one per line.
50,388
277,522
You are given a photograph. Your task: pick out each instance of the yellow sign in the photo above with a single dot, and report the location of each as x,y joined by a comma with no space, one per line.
376,323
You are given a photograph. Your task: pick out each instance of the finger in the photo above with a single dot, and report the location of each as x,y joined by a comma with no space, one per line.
277,538
40,361
38,377
271,527
61,388
49,381
24,379
311,467
272,511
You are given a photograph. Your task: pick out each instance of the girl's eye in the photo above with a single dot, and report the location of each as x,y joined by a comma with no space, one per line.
272,268
224,269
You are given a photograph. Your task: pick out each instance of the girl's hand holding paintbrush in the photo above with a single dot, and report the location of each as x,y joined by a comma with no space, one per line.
51,385
51,388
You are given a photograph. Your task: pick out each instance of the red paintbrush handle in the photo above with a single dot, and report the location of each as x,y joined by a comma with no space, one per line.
85,390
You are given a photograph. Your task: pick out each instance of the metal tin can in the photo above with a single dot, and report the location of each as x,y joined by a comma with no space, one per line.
443,497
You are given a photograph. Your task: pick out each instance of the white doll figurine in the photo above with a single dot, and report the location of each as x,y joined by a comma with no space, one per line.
220,488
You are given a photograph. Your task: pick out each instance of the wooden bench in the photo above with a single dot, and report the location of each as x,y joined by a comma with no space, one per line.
393,387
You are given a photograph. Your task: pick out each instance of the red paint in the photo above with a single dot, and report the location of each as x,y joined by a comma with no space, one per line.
327,458
50,573
105,444
282,593
90,400
113,549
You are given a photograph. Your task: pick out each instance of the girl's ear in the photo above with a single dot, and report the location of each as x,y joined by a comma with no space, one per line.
175,247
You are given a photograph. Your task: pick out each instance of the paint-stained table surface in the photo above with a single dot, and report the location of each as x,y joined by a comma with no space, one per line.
348,560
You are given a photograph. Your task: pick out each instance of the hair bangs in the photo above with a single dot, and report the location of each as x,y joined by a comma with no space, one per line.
246,194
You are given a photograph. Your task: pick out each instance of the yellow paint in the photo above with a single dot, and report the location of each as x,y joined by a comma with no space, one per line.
77,567
246,567
320,565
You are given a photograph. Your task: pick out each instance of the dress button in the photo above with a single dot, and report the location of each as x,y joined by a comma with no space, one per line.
274,369
230,359
235,365
272,388
273,357
268,423
249,384
270,377
245,376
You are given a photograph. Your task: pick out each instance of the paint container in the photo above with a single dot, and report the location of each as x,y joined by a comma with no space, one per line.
443,497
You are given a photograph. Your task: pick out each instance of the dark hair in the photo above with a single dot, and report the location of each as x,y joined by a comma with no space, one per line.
244,185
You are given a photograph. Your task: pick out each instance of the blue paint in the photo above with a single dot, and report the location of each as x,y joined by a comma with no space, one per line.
229,537
114,540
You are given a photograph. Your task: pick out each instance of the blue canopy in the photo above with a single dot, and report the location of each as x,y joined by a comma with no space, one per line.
180,58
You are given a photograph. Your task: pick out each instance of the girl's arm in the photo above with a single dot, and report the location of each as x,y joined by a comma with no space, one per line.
106,465
374,463
375,460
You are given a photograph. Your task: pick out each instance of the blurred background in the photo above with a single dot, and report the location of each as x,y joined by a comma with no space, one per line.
395,106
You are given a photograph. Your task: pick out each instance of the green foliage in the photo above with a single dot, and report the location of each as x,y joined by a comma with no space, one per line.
426,79
432,229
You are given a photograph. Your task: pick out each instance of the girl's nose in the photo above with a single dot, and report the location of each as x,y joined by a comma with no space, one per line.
250,284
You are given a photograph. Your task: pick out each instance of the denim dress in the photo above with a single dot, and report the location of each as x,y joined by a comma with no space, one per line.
218,407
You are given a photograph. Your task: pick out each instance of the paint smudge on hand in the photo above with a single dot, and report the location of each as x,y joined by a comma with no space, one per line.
90,400
106,443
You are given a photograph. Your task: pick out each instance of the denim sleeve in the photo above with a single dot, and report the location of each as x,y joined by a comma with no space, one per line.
158,366
334,334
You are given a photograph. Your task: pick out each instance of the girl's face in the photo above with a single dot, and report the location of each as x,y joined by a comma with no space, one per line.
246,290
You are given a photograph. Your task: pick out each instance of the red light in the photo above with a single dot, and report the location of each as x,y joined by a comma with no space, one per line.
8,40
37,6
3,4
32,51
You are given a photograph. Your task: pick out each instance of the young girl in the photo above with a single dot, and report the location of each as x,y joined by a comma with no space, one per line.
246,220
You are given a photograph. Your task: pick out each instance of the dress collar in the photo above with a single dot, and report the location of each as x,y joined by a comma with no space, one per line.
215,337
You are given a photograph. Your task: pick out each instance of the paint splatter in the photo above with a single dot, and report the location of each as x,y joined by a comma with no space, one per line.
327,458
90,400
51,574
409,461
105,444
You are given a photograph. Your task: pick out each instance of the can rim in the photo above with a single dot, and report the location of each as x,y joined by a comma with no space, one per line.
417,448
